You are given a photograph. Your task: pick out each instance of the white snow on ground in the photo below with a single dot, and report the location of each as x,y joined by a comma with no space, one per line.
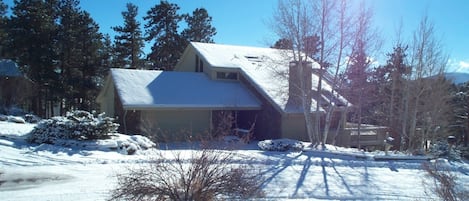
84,172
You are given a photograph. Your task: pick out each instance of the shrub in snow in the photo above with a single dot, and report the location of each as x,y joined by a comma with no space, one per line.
444,150
76,125
18,120
133,144
31,118
281,145
444,183
207,175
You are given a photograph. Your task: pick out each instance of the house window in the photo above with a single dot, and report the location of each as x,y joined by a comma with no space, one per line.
196,63
227,75
199,64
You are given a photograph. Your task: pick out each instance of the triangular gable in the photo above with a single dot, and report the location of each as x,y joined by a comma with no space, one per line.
265,68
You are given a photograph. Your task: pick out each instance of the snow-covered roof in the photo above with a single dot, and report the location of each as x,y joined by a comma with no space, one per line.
267,69
9,68
149,89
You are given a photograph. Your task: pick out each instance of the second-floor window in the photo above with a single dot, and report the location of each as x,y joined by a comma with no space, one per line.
199,64
227,75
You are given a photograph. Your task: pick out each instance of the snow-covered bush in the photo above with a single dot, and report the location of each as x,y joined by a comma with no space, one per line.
133,144
31,118
76,125
3,117
18,120
443,150
281,145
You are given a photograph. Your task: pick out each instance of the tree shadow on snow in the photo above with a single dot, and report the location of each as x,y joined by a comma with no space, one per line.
277,166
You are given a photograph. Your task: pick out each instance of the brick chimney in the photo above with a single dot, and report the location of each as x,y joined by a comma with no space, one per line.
299,80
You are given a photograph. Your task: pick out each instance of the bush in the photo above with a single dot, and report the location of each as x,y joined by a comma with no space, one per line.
281,145
444,183
3,117
30,118
76,125
442,149
207,175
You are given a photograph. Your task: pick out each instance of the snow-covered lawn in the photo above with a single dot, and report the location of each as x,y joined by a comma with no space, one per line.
84,172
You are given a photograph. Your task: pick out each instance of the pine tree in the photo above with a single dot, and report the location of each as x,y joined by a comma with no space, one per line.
3,28
33,32
199,27
390,82
70,53
283,43
79,45
162,28
129,42
107,54
90,44
357,91
460,119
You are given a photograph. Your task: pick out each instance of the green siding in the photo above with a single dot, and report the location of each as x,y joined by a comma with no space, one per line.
177,125
293,127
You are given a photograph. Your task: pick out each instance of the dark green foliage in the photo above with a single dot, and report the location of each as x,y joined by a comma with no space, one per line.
60,49
76,125
199,27
357,84
33,31
388,82
460,119
79,47
442,149
284,44
3,28
162,24
162,27
129,42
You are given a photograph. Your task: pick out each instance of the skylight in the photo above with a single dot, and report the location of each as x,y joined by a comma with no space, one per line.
253,58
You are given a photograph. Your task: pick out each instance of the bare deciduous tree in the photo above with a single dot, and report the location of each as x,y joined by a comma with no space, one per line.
333,24
427,60
293,22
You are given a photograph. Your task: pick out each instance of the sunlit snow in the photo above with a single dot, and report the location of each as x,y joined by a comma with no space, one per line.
48,172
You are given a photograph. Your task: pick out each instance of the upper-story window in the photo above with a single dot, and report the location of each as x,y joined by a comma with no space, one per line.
199,64
227,75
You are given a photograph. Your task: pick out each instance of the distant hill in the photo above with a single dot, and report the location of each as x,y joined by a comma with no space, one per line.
457,78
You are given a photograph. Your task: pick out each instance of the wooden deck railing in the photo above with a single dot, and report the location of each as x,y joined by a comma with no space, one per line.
370,136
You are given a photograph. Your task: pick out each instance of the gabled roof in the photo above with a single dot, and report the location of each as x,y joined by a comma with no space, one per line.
8,68
266,68
149,89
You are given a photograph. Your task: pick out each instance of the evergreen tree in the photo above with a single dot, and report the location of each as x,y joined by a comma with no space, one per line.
460,121
162,28
79,45
358,88
90,44
3,28
33,32
199,27
389,82
107,54
129,42
70,53
283,43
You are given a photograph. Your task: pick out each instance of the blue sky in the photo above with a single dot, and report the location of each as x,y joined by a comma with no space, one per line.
246,22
